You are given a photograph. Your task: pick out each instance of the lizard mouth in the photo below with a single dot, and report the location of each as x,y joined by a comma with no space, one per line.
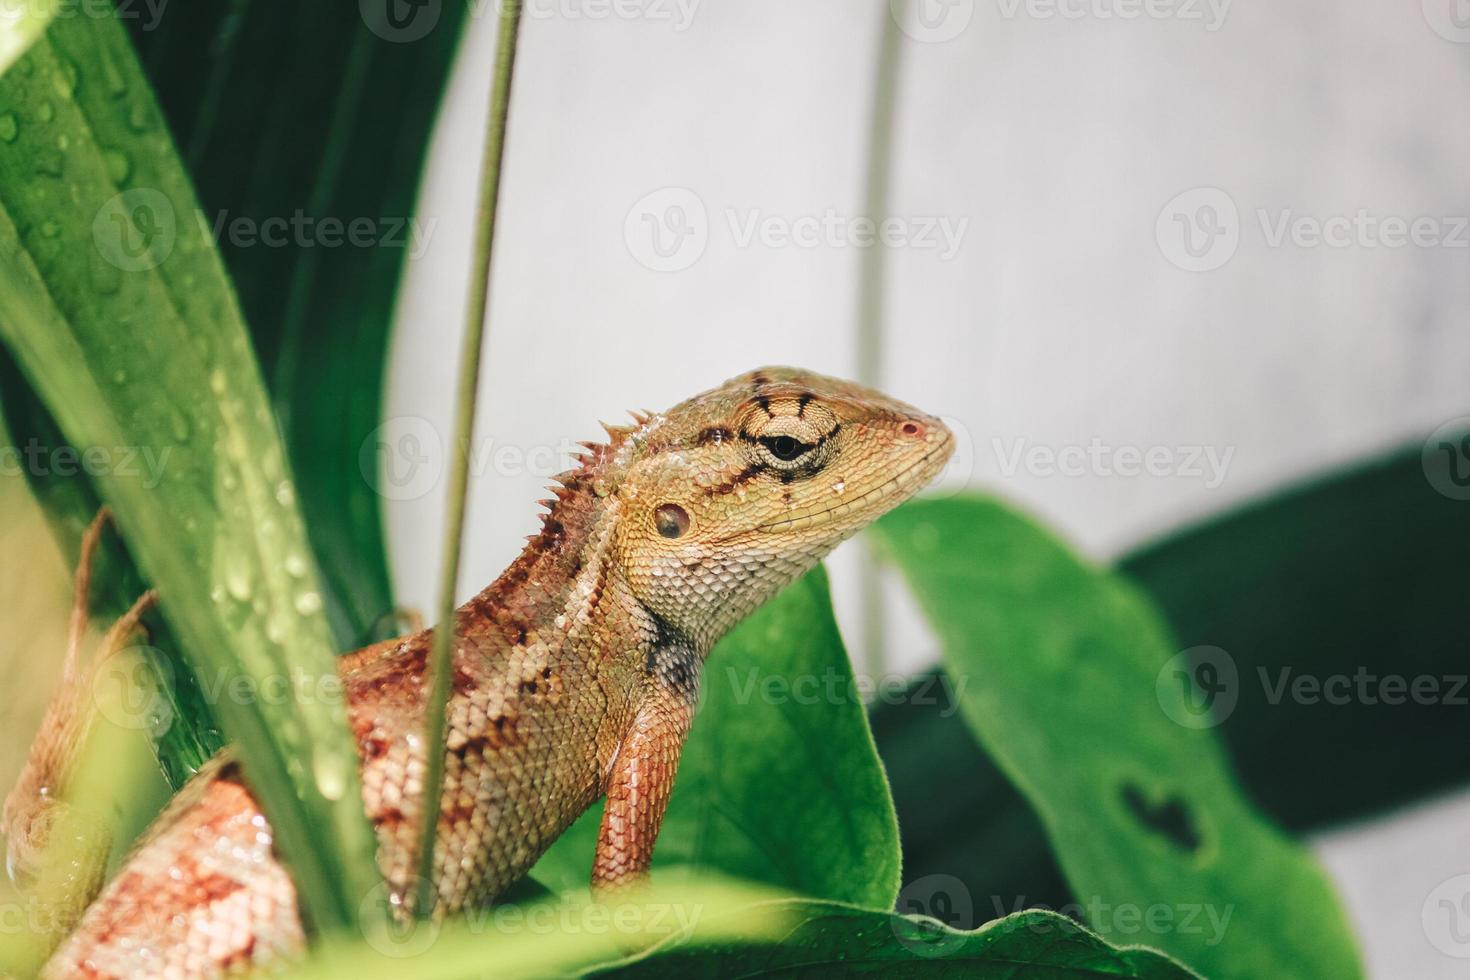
903,483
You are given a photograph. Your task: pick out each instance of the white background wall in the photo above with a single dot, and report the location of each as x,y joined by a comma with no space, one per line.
1055,135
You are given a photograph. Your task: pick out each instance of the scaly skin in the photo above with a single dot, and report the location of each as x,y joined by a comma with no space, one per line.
575,673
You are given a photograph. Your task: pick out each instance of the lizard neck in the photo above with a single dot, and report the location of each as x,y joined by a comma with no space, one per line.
567,586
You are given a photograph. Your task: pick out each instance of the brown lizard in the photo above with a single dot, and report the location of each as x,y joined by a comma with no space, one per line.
575,673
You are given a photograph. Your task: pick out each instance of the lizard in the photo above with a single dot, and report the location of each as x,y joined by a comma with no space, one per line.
575,674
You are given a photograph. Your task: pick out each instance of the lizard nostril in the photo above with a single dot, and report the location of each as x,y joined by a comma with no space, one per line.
912,429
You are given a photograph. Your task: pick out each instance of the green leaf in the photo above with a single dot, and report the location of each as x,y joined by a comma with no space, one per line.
828,939
779,782
22,22
1356,571
716,930
1362,578
985,835
556,936
338,118
117,308
1069,692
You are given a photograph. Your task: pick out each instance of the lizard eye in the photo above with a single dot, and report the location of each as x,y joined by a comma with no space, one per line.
786,448
671,520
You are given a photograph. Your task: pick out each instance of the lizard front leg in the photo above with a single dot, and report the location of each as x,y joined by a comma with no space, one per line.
643,772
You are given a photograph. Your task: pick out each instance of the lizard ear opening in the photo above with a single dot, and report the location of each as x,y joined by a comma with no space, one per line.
671,520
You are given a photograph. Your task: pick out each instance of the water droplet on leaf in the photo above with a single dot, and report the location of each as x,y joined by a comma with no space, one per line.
330,773
118,165
65,80
48,163
237,577
116,82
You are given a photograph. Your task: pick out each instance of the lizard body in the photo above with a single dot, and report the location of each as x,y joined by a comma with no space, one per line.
575,673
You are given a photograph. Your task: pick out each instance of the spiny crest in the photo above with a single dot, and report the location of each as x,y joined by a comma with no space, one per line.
578,484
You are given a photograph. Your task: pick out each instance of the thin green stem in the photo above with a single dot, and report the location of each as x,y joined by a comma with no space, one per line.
870,305
464,422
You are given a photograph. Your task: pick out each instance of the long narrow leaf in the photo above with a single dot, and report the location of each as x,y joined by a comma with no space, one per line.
338,116
116,306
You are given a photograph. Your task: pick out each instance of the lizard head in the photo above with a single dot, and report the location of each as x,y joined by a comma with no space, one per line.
733,494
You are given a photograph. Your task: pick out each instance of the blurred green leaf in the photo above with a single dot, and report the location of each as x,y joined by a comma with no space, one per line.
827,939
1071,694
779,782
1359,577
118,310
555,936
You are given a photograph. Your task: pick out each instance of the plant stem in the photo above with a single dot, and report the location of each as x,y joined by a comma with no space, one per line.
507,34
870,308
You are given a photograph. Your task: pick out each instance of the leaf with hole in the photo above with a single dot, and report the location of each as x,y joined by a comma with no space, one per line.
1359,574
1063,665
